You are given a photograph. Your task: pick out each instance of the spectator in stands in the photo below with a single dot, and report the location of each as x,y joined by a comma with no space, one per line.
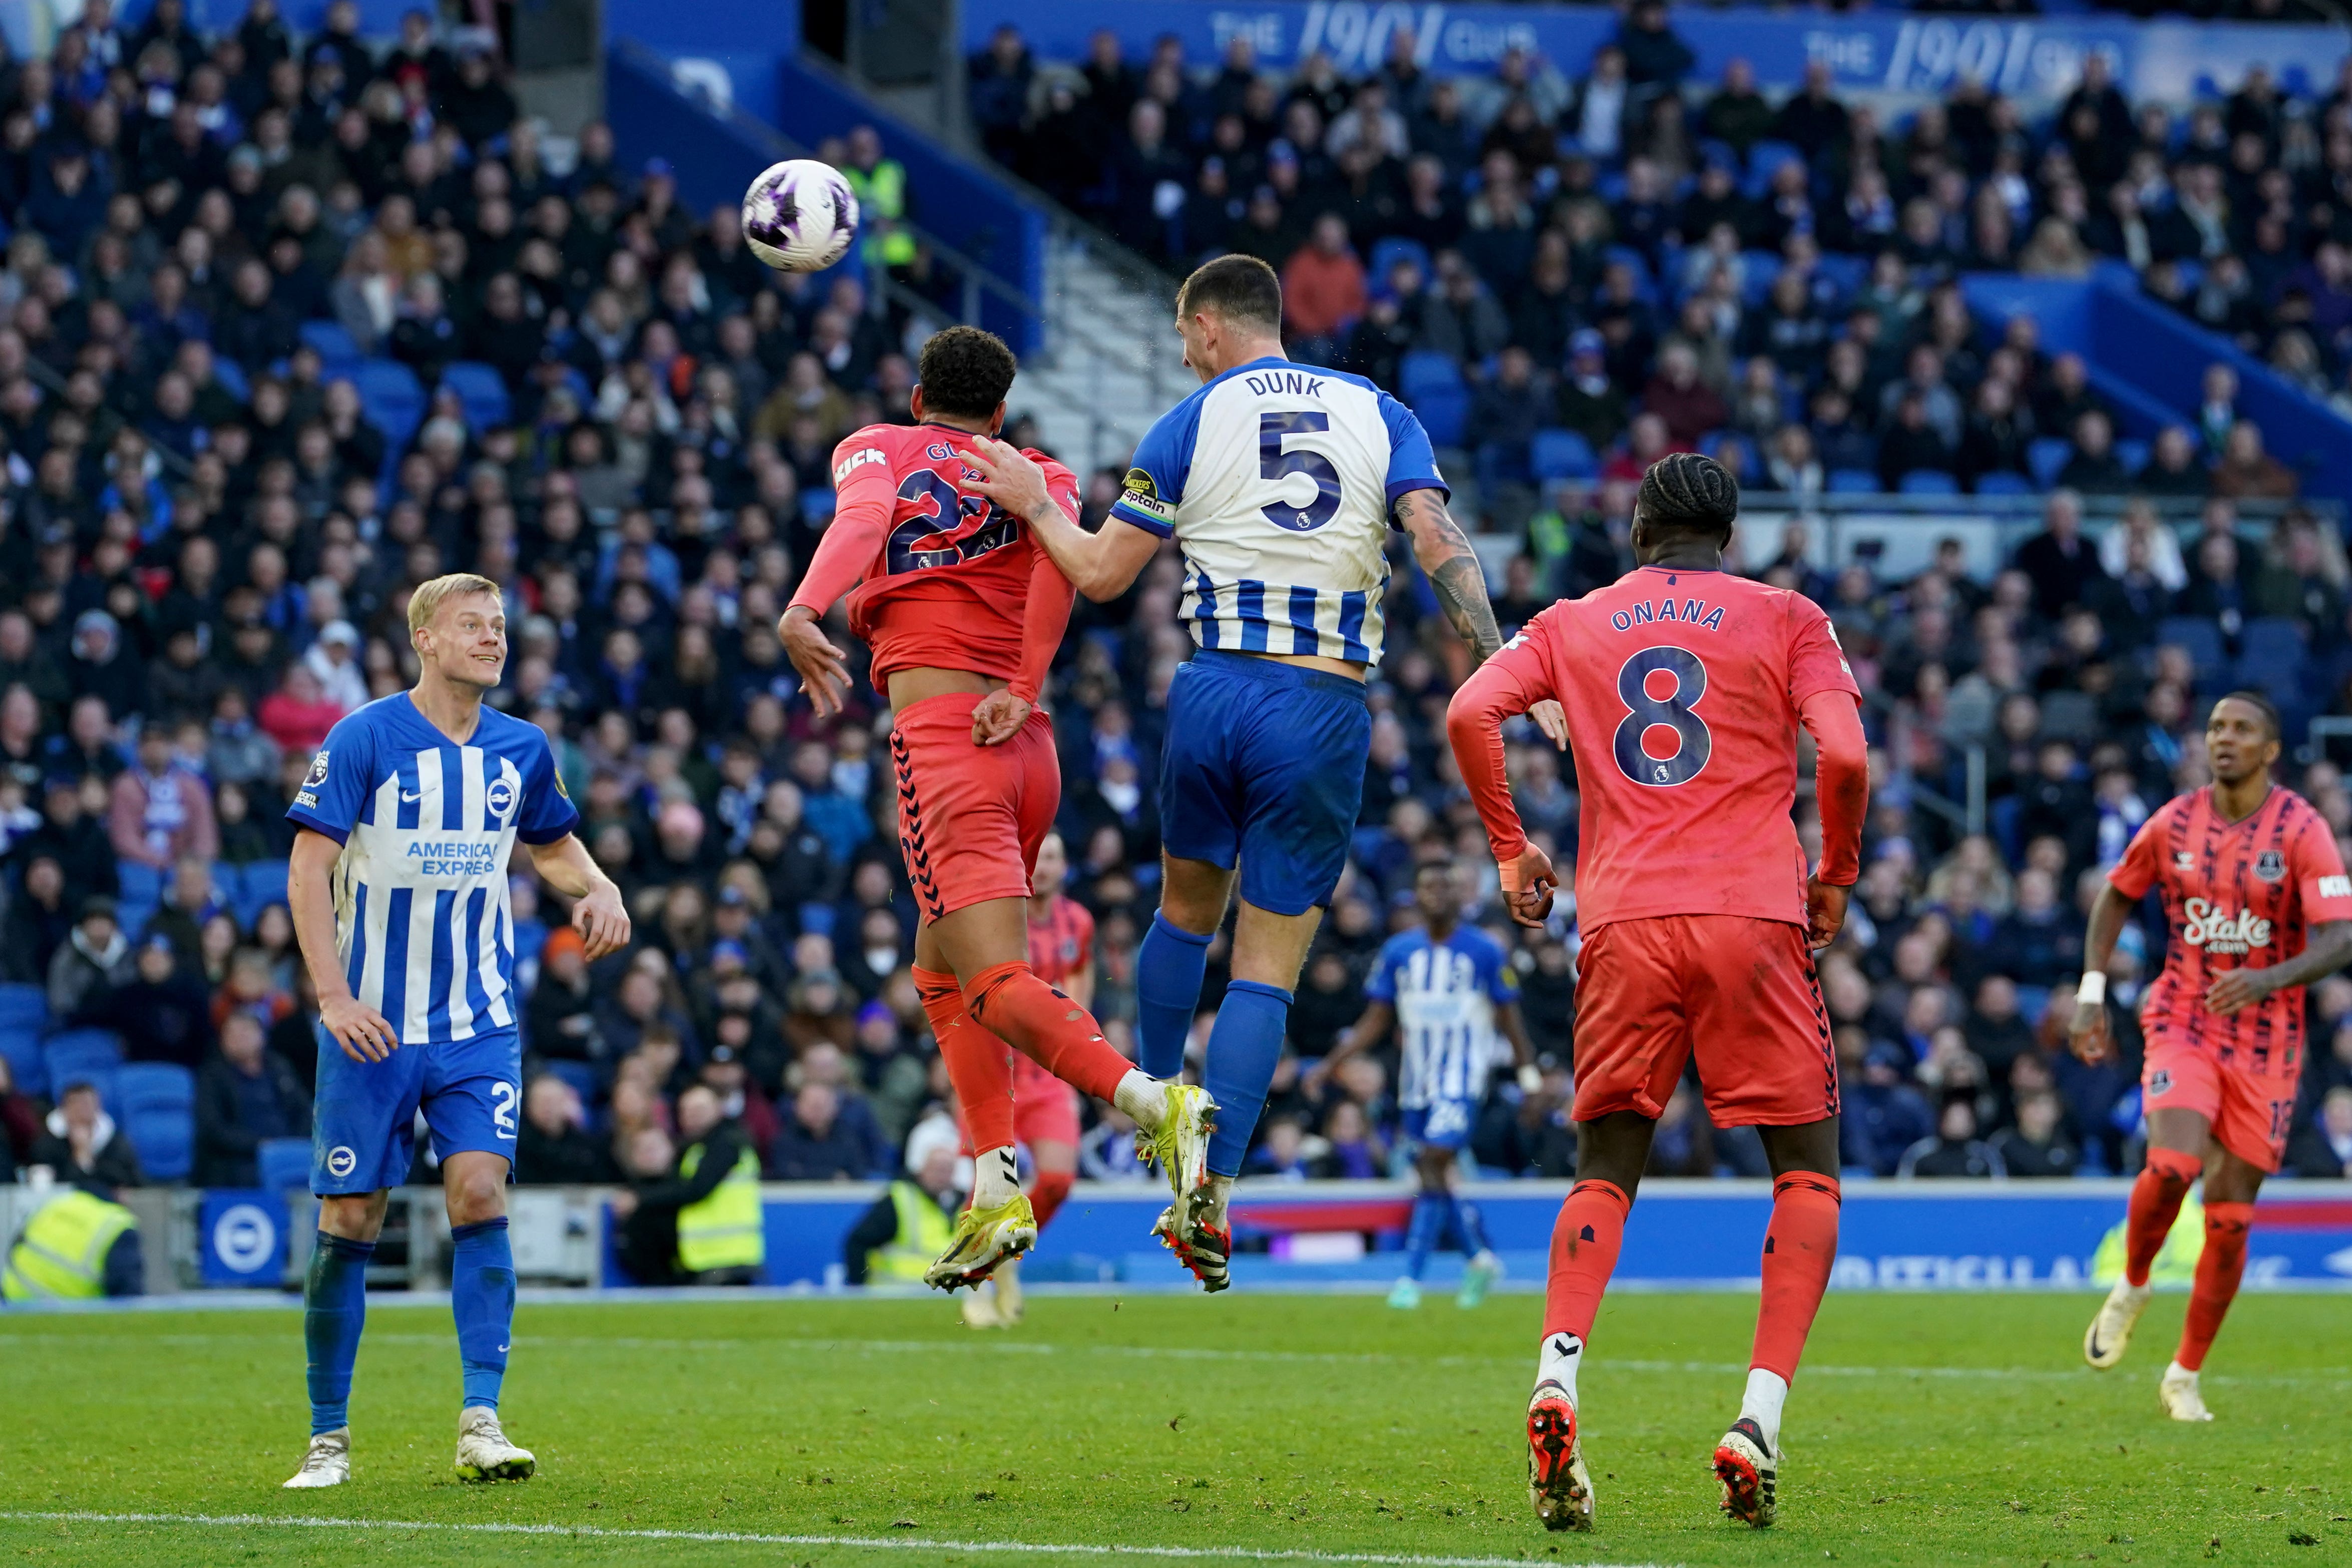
94,959
814,1145
160,808
1322,293
2037,1145
2322,1147
247,1093
40,919
81,1145
554,1146
1955,1150
2247,470
2060,563
162,1010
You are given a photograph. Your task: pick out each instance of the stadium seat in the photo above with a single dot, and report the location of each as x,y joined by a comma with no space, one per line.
1853,483
84,1056
819,503
334,346
132,915
393,401
24,1007
283,1163
1929,482
21,1048
2045,456
156,1104
1445,414
1387,253
233,379
138,883
1764,160
482,391
2271,657
257,886
2003,483
2201,639
1562,455
1423,370
2132,454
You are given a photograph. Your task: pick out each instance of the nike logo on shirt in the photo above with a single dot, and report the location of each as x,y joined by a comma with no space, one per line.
406,799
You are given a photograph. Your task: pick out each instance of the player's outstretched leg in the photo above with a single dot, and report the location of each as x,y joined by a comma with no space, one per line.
998,1223
2219,1269
1585,1240
1799,1245
2156,1198
334,1299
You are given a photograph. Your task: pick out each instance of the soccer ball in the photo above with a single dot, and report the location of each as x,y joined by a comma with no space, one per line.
798,216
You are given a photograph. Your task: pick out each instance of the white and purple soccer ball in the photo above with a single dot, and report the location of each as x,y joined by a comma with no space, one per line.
798,216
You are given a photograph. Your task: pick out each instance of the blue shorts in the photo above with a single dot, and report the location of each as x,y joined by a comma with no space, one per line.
1441,1124
363,1123
1265,764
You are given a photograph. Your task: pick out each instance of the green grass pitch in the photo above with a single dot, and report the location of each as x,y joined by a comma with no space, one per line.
1923,1429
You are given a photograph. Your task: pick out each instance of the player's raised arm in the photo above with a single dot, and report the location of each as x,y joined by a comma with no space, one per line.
1100,565
1513,681
864,495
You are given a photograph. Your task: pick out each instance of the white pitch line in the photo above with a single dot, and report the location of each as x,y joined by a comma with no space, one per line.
749,1538
2328,1376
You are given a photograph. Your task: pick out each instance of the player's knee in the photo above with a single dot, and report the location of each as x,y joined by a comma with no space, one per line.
475,1196
990,985
2174,1167
1052,1187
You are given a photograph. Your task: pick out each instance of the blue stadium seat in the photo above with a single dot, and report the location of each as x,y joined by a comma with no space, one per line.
1929,482
482,391
1422,371
24,1007
1562,455
1387,253
283,1163
2003,483
393,401
1764,160
132,917
233,379
138,882
21,1048
1841,272
1853,483
2132,454
258,885
819,503
2045,456
2201,639
334,346
2271,657
84,1056
156,1103
1444,415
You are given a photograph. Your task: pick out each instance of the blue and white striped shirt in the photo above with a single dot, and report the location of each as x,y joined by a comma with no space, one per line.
422,924
1278,479
1444,994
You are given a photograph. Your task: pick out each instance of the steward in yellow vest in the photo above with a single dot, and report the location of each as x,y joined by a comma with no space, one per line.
908,1225
78,1246
880,185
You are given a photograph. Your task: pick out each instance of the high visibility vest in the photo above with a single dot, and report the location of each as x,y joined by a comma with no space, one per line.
924,1232
2176,1261
62,1257
724,1230
882,195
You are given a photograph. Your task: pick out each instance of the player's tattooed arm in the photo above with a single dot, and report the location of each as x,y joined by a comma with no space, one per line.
2328,949
1454,568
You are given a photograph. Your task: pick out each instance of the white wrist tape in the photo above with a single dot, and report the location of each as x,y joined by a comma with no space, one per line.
2094,988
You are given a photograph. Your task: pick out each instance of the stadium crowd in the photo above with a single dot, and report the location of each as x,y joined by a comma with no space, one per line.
214,511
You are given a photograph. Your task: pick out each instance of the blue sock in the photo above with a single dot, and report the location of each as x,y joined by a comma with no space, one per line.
482,1300
1427,1229
1474,1228
1244,1049
1169,968
334,1301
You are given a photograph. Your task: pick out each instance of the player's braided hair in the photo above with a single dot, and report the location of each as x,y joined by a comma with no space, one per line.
2260,704
965,373
1684,491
